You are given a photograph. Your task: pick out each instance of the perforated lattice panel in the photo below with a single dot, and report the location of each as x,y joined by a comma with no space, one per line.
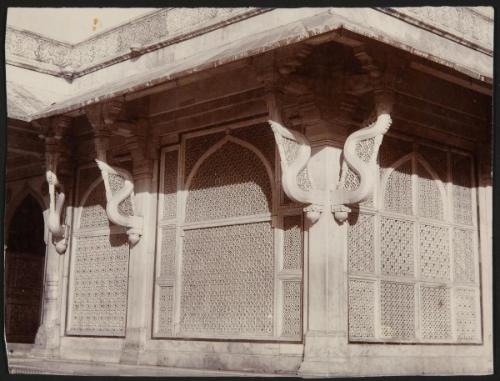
100,276
416,248
196,147
467,314
361,243
231,182
292,308
228,281
462,194
398,192
463,248
430,203
93,214
434,252
167,256
165,315
397,310
222,269
396,250
436,314
292,242
361,309
170,185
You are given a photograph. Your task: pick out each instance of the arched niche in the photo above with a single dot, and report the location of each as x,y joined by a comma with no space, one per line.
25,263
411,186
232,179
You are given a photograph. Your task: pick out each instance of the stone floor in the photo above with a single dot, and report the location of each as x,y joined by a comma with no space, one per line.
23,365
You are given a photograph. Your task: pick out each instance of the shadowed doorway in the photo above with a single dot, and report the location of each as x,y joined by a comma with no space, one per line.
25,261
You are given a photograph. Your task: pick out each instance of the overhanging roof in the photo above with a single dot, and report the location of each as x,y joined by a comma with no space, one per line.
382,27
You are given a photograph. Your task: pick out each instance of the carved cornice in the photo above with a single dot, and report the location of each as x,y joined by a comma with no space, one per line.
141,35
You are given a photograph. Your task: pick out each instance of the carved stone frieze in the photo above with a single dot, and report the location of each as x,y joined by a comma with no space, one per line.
152,31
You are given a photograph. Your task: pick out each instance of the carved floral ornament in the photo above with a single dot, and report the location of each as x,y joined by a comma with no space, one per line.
101,117
358,173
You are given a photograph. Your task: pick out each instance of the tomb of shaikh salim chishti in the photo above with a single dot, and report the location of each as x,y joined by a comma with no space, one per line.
280,191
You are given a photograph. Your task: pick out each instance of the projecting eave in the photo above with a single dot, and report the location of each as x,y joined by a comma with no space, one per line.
279,28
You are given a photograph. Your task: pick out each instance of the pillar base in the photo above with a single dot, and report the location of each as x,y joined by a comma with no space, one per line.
47,342
133,346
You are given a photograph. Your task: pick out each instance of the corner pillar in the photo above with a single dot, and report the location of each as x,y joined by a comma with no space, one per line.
47,341
325,345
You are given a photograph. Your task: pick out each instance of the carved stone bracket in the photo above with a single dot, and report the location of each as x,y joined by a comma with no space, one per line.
102,117
52,132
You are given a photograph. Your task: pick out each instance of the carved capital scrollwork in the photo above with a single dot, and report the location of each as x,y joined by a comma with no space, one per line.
103,117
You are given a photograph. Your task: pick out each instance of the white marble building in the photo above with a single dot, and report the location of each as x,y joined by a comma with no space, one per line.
250,190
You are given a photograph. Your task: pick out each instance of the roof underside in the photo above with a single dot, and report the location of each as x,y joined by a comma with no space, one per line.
24,105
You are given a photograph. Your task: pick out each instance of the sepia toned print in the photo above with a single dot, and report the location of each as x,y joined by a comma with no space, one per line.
249,191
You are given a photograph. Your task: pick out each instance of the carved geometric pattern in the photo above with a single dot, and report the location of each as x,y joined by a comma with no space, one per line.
116,183
196,147
400,237
430,202
463,253
364,150
303,180
170,185
434,253
398,192
392,150
86,176
100,280
397,310
351,180
396,247
292,242
437,158
165,311
231,182
167,256
436,313
228,281
361,243
466,314
291,149
292,322
361,309
462,192
260,136
94,211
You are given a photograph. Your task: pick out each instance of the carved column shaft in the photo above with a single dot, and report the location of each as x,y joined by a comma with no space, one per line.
53,132
141,271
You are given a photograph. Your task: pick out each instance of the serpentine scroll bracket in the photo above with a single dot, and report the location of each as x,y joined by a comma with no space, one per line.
60,232
358,173
133,223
